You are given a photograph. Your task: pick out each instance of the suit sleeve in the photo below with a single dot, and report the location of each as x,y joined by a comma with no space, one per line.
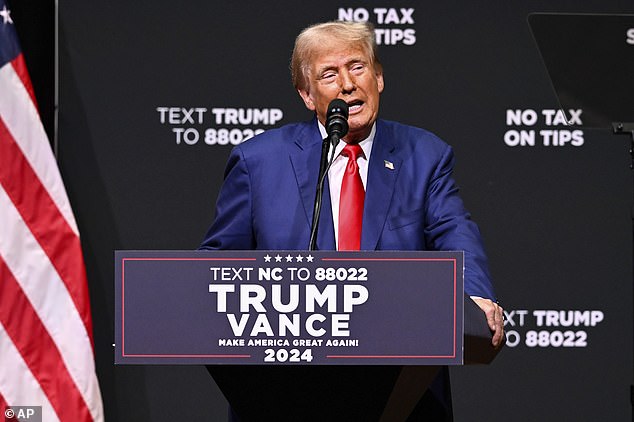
233,226
449,227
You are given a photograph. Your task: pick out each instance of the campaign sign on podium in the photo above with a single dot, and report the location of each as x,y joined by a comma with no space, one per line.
289,307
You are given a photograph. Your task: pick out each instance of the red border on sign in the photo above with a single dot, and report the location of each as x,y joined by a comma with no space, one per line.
455,274
123,353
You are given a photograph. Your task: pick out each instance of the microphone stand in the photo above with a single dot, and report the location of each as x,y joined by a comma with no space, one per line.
336,127
324,165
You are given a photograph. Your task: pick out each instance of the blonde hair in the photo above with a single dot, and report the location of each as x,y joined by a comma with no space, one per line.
359,34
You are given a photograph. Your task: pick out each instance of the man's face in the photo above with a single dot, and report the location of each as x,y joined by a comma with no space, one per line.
344,72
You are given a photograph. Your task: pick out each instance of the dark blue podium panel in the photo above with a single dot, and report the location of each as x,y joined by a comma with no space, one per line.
289,307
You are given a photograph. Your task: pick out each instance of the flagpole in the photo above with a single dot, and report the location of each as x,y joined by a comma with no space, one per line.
56,83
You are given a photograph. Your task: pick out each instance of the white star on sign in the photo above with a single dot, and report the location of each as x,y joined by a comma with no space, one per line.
278,258
267,258
309,258
6,15
299,258
289,258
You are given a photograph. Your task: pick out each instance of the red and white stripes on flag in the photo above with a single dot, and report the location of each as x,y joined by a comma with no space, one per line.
46,346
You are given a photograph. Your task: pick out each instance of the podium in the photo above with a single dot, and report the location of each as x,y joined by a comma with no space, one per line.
379,393
292,335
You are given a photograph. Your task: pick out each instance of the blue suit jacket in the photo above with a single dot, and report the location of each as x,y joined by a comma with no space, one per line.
266,201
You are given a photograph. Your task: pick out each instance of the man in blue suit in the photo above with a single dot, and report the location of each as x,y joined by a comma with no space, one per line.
411,200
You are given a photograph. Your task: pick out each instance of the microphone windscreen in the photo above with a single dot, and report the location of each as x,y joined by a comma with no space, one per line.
337,106
337,118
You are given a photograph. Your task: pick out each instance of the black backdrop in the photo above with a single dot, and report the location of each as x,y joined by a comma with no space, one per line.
555,219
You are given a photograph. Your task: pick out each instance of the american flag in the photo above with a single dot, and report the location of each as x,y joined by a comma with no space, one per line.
46,346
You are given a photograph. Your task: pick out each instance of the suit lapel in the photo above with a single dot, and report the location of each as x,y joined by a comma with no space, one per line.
382,174
305,161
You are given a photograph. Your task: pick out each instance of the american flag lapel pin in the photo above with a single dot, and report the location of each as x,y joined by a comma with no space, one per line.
388,164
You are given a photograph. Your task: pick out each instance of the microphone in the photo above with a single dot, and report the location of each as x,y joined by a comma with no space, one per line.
336,128
337,120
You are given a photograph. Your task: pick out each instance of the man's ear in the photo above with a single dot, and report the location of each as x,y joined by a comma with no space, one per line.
379,80
308,101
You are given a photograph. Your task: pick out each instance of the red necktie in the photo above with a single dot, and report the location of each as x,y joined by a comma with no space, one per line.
351,201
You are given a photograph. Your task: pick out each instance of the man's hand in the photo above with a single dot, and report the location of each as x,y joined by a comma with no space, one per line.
495,319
